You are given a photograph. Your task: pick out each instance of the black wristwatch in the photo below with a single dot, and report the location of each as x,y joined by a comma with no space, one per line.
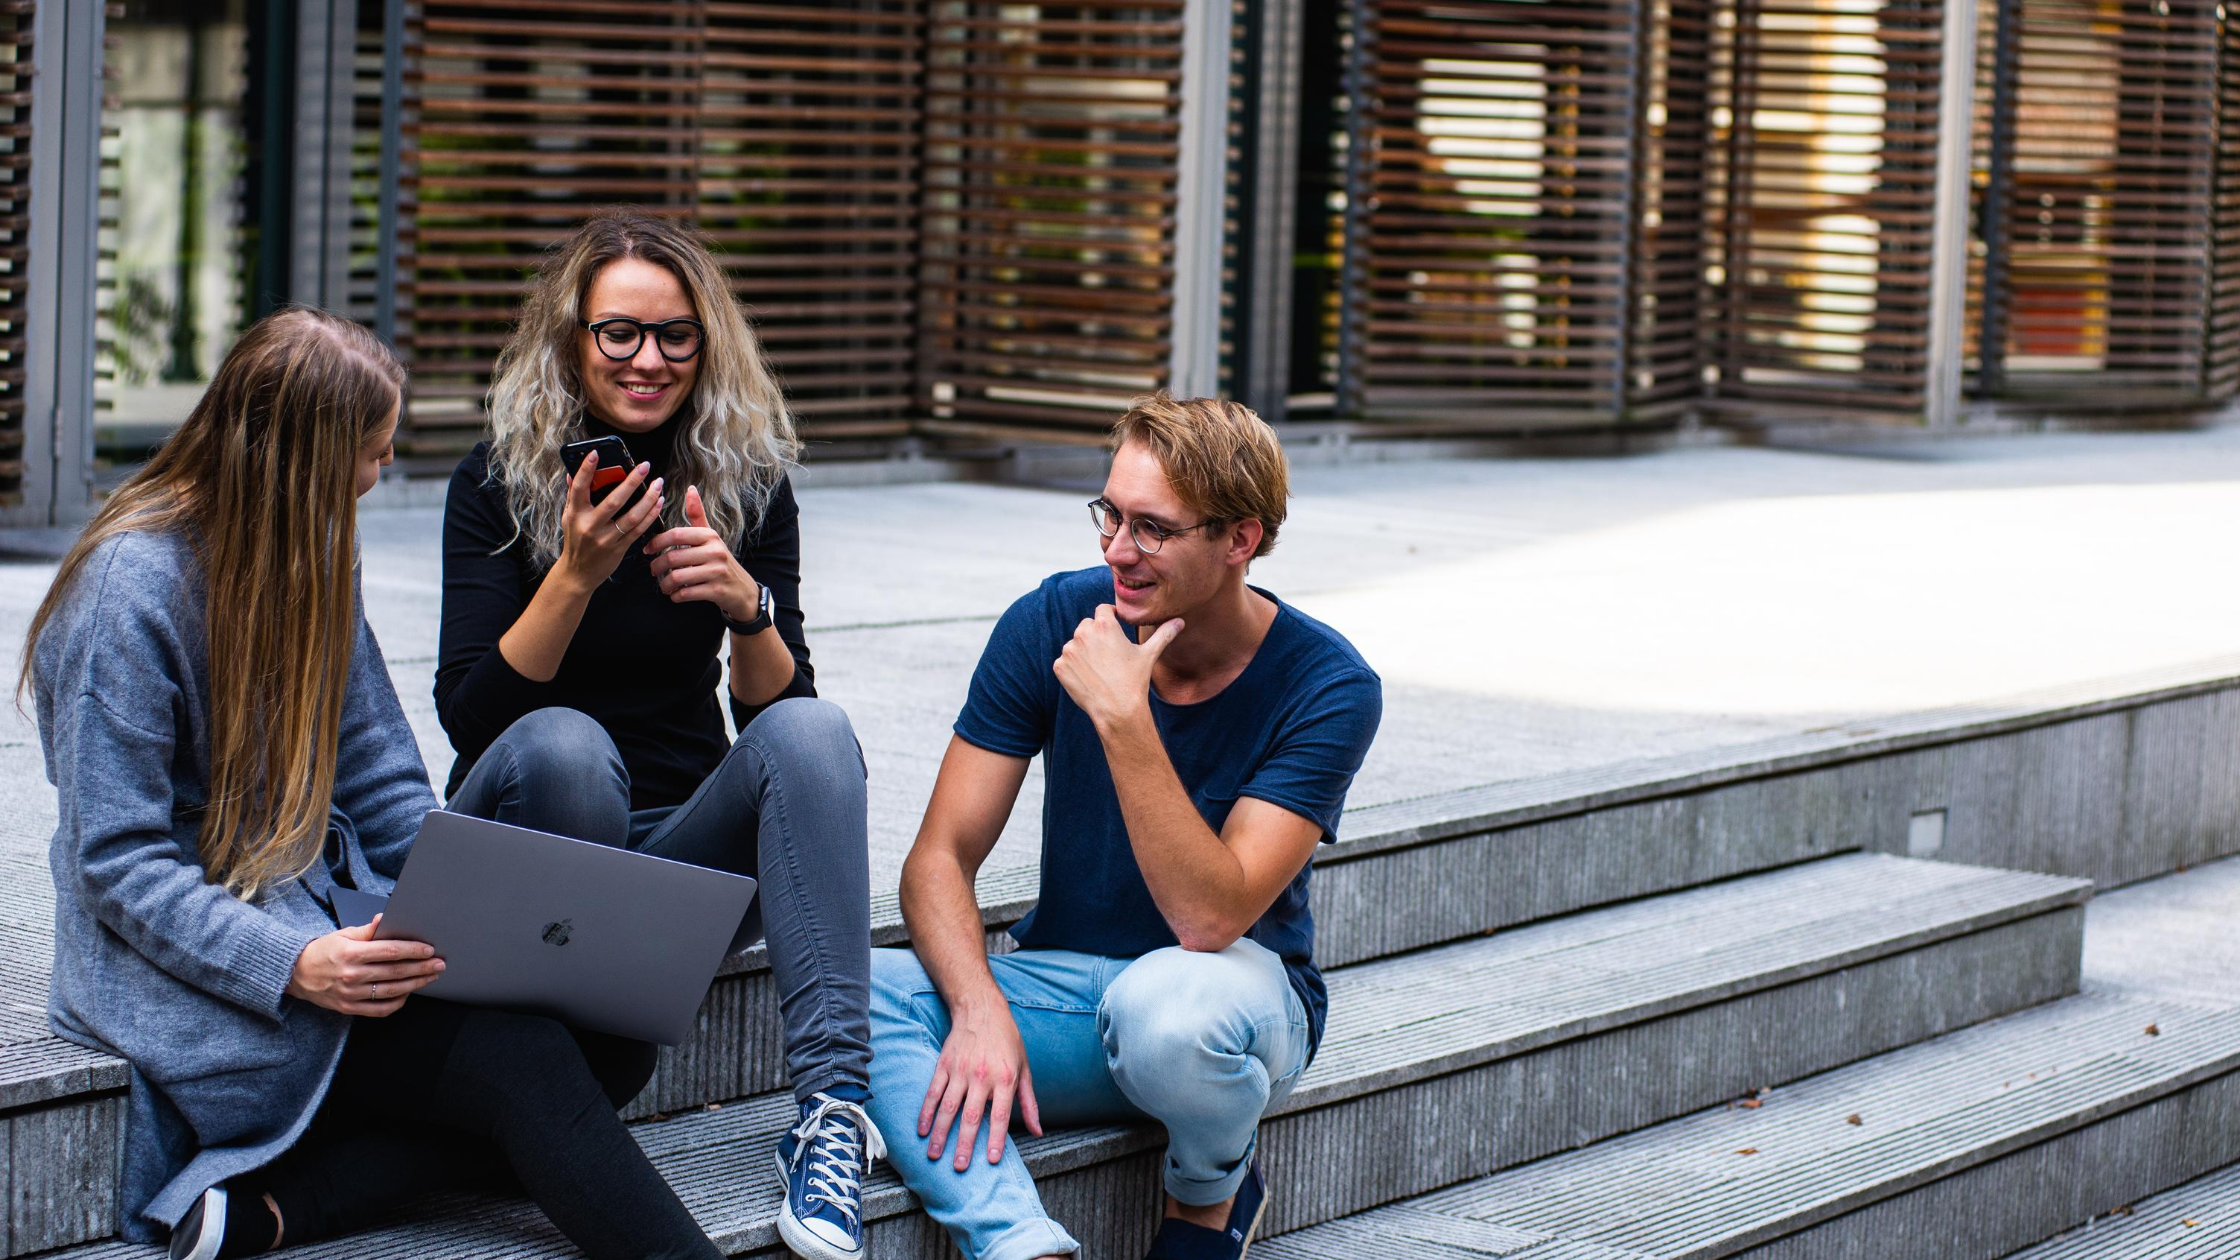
762,616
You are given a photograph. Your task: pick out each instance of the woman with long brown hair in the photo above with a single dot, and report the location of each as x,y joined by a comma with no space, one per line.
227,750
580,660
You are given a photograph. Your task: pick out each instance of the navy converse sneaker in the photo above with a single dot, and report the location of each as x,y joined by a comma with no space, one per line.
823,1163
1180,1240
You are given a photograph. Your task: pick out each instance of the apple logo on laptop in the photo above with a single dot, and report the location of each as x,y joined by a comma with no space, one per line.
557,933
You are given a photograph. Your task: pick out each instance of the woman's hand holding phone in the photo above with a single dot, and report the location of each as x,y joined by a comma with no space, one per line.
595,536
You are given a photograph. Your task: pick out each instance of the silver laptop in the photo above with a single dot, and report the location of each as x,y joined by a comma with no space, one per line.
600,937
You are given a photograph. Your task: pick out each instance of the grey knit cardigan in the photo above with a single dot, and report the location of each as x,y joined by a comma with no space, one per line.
152,963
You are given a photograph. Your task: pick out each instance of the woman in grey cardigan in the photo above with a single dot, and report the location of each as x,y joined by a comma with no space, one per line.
218,777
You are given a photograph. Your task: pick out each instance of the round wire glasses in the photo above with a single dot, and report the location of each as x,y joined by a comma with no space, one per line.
1149,535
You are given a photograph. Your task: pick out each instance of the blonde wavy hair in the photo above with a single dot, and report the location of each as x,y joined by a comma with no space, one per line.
735,439
262,479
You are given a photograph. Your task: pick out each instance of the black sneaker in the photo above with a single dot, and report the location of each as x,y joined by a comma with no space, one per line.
202,1231
1180,1240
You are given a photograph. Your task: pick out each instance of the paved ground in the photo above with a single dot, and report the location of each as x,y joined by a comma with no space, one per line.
1529,616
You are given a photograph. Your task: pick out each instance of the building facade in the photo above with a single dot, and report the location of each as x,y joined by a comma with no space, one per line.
966,222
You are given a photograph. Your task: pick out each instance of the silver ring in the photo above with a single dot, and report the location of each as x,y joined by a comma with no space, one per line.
377,990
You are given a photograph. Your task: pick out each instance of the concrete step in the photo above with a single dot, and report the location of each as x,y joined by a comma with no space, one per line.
1969,1146
2199,1220
1446,1063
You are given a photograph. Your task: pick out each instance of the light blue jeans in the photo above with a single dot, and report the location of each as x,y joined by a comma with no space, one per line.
1204,1043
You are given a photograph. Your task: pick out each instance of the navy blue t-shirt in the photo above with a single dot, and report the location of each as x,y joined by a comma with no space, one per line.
1290,730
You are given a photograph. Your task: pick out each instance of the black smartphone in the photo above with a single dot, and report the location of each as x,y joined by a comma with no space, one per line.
614,462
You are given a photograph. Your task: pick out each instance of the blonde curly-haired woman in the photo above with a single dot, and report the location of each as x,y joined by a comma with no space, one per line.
227,750
579,663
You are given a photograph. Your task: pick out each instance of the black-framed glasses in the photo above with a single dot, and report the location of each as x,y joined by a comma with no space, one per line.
620,337
1149,535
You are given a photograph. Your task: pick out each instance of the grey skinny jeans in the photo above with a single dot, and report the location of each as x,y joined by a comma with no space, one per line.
785,805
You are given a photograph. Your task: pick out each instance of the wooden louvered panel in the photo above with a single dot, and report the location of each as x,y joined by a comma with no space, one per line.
1050,164
16,62
365,169
521,119
1666,351
2164,175
1823,190
786,133
808,178
2221,337
1492,150
2101,272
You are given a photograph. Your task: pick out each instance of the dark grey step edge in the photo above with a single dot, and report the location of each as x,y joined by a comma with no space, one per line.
1445,815
2199,1220
2024,1191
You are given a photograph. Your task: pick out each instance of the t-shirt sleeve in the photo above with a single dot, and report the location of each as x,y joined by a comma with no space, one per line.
1318,751
1012,700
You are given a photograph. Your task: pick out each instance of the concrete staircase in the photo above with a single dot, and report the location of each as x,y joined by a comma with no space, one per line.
2080,1113
1968,1146
1586,971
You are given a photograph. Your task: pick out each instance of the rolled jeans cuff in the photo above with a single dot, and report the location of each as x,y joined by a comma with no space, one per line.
1191,1193
1029,1240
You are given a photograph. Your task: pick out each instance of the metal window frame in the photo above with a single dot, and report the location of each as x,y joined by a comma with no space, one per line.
326,38
1948,268
1201,186
1264,177
65,215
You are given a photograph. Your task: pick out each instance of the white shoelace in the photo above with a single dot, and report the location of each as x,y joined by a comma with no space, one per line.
835,1155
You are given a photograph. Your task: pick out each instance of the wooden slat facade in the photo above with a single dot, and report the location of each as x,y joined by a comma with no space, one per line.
1052,144
1569,213
786,133
1823,176
808,174
2221,335
17,61
519,120
961,211
1492,156
2103,127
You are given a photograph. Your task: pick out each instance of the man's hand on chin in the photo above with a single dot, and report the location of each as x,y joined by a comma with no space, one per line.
1107,673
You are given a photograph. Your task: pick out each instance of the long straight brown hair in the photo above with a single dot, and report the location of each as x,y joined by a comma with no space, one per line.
262,480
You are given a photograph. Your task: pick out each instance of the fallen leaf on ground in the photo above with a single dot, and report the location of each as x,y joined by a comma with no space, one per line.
2154,1030
1747,1150
1748,1104
1853,1119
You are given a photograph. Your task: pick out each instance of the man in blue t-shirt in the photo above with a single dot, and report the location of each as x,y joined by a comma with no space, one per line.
1198,736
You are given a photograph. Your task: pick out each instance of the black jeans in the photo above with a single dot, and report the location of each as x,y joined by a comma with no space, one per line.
444,1097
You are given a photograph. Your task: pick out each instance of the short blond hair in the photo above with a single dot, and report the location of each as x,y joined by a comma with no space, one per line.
1222,459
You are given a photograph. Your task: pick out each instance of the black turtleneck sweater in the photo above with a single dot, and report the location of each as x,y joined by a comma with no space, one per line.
644,667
